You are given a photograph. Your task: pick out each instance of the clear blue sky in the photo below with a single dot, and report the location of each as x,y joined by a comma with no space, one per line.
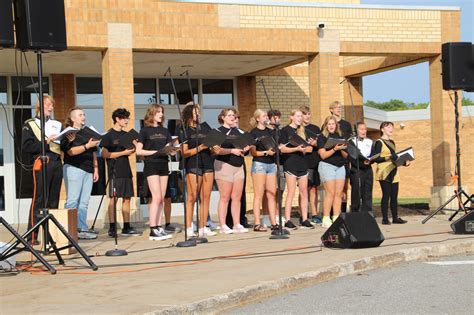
411,84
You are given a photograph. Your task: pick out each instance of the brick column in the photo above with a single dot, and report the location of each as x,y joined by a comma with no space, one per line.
64,94
443,143
324,85
117,87
354,86
247,100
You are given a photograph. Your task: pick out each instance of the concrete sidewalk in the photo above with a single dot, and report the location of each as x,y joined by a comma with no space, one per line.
228,271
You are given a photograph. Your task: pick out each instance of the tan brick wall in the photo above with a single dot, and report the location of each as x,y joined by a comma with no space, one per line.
246,97
353,24
64,94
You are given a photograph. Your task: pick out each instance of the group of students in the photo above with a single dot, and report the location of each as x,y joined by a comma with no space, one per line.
305,166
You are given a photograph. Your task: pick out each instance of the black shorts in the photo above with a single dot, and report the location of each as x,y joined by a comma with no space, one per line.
123,188
199,171
155,168
313,177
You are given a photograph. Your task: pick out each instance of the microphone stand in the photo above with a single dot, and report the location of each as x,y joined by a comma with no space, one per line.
187,242
198,239
359,184
281,233
116,251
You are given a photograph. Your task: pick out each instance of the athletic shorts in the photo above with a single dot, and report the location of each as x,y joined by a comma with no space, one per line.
154,168
123,188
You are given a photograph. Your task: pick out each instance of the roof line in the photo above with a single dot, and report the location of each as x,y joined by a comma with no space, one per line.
319,5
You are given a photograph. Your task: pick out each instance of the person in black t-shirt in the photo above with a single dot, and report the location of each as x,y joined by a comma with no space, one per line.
312,132
229,173
199,165
263,170
346,132
30,143
80,171
117,163
155,144
331,170
295,167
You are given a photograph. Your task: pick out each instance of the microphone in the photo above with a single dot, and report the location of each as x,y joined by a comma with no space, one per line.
185,72
167,71
261,80
345,79
268,122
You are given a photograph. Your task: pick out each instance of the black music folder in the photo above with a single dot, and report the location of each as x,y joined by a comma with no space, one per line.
127,139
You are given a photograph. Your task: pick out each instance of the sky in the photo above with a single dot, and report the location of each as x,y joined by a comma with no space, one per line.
411,84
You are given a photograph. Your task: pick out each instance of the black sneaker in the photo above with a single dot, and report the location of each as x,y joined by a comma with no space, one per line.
290,225
386,222
275,227
130,232
172,229
112,232
306,224
158,234
399,221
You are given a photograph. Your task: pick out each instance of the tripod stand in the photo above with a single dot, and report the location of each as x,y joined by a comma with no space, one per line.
49,245
462,206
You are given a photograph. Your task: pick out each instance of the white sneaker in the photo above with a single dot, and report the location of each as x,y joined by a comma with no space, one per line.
226,230
206,232
326,222
190,231
240,229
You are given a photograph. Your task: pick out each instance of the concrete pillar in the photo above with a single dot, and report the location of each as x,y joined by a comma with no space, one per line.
247,100
353,86
117,87
442,120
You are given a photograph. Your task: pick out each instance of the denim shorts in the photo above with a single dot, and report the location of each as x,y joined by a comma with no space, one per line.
328,172
263,168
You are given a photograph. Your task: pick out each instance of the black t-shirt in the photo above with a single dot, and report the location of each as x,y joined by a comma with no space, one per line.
259,133
204,159
336,159
84,161
292,162
312,158
111,141
346,128
231,159
154,138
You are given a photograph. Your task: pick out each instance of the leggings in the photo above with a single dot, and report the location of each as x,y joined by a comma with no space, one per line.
389,194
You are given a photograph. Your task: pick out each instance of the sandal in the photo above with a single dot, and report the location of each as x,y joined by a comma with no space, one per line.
259,228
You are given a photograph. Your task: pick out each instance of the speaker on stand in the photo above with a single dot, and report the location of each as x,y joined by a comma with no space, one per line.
6,24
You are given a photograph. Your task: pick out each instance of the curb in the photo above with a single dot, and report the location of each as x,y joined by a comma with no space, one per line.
267,289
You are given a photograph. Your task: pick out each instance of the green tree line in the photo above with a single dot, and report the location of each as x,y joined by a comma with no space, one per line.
394,105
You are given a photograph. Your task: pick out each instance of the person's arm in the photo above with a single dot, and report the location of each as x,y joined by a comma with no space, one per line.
96,168
29,143
140,151
106,154
325,154
376,149
191,152
76,150
287,150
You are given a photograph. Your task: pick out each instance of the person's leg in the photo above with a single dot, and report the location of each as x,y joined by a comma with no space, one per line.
270,194
394,200
243,201
156,199
206,190
313,200
84,198
73,183
355,192
235,196
55,175
291,186
225,189
329,191
191,197
367,191
259,180
338,192
386,189
303,189
163,184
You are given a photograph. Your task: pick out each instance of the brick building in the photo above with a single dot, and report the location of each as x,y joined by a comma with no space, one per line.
119,50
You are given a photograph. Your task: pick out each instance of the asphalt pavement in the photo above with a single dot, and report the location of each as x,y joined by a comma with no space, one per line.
444,286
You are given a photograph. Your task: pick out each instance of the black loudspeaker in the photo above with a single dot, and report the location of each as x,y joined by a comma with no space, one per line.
458,66
353,230
464,225
40,25
6,24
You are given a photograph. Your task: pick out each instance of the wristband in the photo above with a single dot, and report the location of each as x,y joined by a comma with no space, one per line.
85,147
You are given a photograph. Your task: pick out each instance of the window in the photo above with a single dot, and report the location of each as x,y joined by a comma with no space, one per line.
144,91
89,92
182,90
3,100
218,92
